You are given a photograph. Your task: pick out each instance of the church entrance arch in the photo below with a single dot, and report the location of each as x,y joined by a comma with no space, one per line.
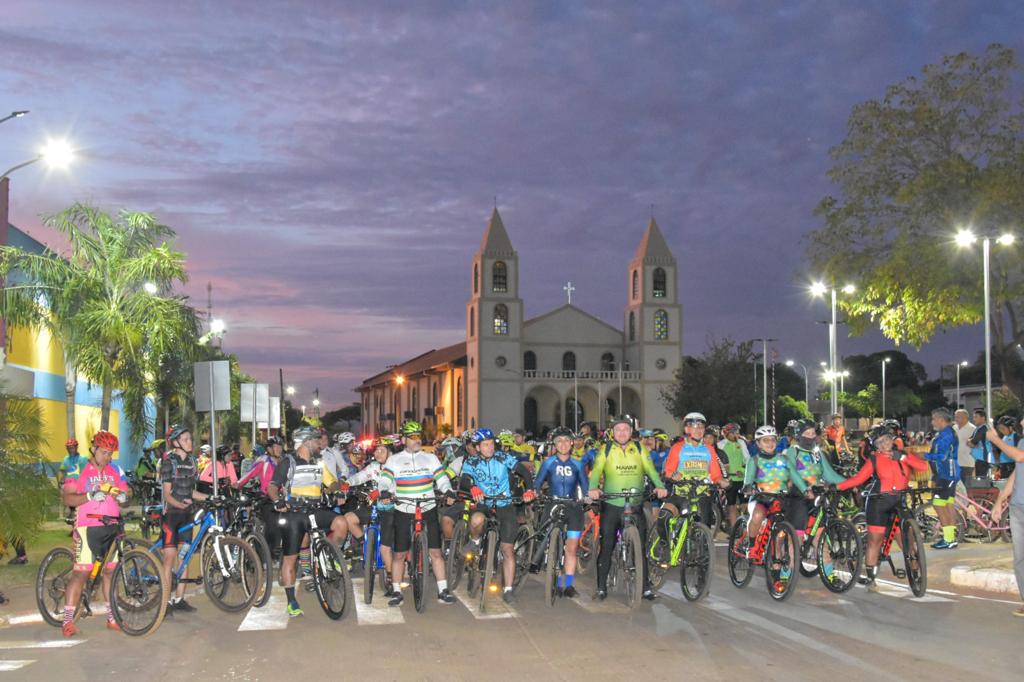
541,410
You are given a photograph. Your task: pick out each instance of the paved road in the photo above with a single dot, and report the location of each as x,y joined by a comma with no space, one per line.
733,634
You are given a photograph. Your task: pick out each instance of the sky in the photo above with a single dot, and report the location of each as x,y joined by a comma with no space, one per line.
330,167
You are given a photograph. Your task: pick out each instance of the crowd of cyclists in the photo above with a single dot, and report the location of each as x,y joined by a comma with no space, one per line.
405,487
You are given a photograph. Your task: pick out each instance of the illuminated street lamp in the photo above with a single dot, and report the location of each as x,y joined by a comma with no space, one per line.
885,362
807,385
290,390
56,154
13,114
820,289
963,363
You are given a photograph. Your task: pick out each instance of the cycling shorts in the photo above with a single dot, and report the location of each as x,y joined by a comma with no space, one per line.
703,506
879,511
797,511
944,490
170,523
732,493
91,543
453,512
573,517
293,527
508,522
403,525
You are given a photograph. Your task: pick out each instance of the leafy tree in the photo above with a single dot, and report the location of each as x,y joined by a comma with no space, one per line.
790,408
719,383
899,371
24,488
935,153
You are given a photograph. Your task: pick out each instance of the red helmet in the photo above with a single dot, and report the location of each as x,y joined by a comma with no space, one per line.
70,442
105,439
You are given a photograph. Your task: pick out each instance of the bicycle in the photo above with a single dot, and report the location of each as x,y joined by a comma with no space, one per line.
550,539
138,596
915,569
419,552
931,527
836,545
628,554
374,567
589,539
979,523
455,560
248,525
147,492
774,547
689,544
225,561
329,575
482,568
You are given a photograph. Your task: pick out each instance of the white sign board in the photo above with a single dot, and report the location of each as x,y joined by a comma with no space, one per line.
213,385
275,415
261,404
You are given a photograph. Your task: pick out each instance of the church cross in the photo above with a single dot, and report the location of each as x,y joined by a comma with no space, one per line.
568,289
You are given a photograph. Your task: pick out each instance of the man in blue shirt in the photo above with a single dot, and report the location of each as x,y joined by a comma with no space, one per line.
565,478
945,474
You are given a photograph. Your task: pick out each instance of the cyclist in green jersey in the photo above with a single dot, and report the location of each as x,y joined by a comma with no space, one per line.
736,453
622,463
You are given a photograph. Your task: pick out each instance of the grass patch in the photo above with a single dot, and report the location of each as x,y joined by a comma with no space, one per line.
18,576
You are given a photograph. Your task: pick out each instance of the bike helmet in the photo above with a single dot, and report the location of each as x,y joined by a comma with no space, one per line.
507,439
731,427
274,440
560,432
204,449
105,439
621,419
880,431
71,442
694,418
1007,421
714,430
176,431
661,435
646,433
344,438
480,435
411,428
765,431
467,436
258,450
303,434
804,424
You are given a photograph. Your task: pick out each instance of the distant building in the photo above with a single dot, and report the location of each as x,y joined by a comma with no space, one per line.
971,397
560,368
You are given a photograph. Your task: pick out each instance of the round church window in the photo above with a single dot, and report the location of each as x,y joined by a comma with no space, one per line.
500,361
661,364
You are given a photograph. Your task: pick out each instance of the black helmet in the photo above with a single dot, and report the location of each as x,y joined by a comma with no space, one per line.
880,431
559,431
1007,421
175,432
805,424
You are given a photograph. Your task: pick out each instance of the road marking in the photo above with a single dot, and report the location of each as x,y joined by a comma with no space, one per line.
7,666
998,601
42,644
376,613
495,607
270,616
27,618
891,589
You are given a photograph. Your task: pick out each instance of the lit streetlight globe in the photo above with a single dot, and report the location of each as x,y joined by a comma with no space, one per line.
217,326
57,153
150,288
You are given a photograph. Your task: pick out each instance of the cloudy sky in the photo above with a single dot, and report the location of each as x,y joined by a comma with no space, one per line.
330,167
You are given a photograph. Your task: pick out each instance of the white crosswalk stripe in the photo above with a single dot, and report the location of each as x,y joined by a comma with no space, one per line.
271,616
8,666
40,644
496,608
377,612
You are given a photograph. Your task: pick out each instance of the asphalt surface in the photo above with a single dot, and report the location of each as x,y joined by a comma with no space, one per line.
732,634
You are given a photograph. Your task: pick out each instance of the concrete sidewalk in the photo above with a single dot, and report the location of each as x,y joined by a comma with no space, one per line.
987,567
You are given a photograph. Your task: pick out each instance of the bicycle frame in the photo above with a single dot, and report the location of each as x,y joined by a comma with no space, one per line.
208,523
773,515
971,509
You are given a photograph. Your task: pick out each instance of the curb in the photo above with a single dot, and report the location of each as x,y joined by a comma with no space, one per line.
988,579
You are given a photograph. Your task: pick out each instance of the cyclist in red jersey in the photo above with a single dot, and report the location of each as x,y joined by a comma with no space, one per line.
887,470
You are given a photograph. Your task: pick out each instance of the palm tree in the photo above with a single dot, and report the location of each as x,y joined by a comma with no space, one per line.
122,318
24,488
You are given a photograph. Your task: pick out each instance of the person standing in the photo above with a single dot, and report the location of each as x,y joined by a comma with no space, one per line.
981,448
964,430
1013,494
945,474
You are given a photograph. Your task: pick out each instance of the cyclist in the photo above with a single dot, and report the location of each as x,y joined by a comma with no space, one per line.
361,516
337,459
413,473
736,454
263,466
1006,428
690,459
179,472
888,470
97,487
488,474
70,463
523,450
454,458
565,478
301,478
225,469
835,434
946,474
766,472
812,468
659,453
623,462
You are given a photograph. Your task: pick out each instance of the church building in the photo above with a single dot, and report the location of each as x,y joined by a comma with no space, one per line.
560,368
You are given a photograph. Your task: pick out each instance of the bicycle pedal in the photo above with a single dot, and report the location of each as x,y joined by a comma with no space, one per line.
901,574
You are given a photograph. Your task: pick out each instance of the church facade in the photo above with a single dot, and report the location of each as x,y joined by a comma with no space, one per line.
560,368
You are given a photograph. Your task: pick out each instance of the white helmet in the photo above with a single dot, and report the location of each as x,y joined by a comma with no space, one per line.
695,417
344,438
765,431
205,449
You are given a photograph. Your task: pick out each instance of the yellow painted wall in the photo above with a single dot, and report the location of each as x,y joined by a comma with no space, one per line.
87,422
35,348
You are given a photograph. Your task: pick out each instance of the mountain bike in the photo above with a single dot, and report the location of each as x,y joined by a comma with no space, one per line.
831,544
774,547
146,492
329,573
231,572
483,568
374,567
589,539
455,558
549,542
915,569
418,562
138,596
247,523
929,524
628,554
689,543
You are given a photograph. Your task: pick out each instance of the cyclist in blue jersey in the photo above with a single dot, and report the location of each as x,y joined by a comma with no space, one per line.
945,475
488,474
565,478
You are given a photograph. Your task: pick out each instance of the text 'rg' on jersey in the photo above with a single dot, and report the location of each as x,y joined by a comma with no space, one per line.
564,479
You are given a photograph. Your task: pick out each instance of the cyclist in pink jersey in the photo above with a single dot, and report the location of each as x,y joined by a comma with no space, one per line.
263,468
97,488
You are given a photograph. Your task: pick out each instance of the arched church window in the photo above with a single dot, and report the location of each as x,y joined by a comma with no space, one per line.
636,285
476,278
607,362
529,361
472,320
501,320
569,361
660,286
661,326
632,326
499,277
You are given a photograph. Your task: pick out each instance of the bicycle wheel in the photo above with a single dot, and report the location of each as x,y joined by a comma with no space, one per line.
232,575
805,561
52,582
741,570
138,595
330,579
522,548
633,565
658,557
698,562
840,555
914,557
554,565
262,549
474,577
419,571
488,579
587,547
715,521
456,560
780,562
369,563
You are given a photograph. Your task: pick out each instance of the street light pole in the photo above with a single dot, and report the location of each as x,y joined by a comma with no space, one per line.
832,353
885,361
764,376
958,366
13,114
807,383
985,249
